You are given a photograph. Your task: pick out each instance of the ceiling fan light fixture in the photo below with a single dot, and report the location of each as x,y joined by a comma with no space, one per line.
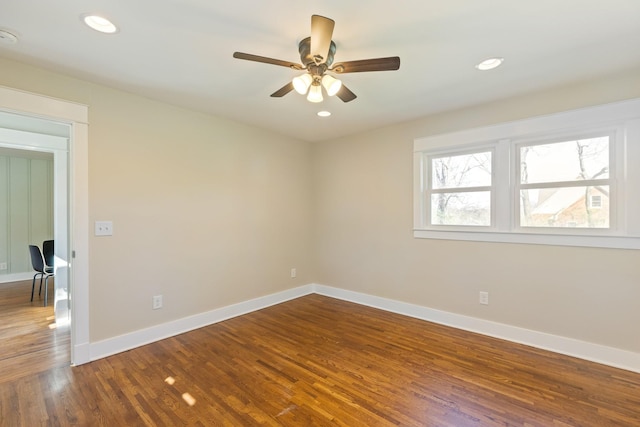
315,94
301,83
316,58
331,84
490,64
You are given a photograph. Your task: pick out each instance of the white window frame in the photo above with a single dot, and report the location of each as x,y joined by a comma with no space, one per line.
619,120
615,144
460,151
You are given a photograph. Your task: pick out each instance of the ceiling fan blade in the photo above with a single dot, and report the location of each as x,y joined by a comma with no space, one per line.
283,90
378,64
345,94
264,59
321,33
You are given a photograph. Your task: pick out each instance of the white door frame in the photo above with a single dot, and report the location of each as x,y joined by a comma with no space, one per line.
76,116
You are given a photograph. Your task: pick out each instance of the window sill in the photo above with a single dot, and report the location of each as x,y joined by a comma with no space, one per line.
614,242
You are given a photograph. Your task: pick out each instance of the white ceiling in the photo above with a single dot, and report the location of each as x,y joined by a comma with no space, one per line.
180,52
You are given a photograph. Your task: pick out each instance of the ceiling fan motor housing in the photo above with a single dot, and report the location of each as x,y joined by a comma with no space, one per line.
307,59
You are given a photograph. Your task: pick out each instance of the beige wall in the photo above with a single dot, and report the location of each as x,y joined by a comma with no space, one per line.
210,212
364,241
206,211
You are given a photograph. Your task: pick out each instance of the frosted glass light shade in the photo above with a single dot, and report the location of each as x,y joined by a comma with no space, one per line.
315,94
301,83
332,85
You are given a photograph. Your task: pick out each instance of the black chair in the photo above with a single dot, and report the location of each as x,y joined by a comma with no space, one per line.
47,252
37,262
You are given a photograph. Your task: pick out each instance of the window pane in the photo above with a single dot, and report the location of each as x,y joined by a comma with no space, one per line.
565,161
473,208
565,207
467,170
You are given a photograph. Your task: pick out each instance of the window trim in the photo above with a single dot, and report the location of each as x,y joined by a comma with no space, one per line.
621,118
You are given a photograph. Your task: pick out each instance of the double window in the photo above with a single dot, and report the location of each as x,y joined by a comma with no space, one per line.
567,179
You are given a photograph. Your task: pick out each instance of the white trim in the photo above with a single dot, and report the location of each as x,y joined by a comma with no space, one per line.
32,141
598,115
15,277
82,352
615,242
104,348
44,106
568,346
79,244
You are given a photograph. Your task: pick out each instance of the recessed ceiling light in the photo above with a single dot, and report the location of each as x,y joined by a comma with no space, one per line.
99,23
324,113
7,37
490,64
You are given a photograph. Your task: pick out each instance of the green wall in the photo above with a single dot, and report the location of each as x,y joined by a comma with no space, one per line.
26,208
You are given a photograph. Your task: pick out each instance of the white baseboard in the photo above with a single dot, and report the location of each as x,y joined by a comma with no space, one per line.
104,348
80,354
16,277
571,347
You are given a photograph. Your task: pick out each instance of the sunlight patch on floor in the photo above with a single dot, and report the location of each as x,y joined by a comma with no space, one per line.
185,396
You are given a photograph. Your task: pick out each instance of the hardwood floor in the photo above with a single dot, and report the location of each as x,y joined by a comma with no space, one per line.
28,345
317,361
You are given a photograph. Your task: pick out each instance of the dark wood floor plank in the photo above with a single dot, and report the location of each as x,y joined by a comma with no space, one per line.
314,361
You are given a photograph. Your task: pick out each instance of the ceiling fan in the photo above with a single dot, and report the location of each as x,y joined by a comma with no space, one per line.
316,55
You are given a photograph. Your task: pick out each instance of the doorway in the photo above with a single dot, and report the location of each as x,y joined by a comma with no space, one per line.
34,122
58,146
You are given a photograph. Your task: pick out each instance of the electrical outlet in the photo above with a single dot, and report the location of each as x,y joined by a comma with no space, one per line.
484,298
157,302
293,273
3,265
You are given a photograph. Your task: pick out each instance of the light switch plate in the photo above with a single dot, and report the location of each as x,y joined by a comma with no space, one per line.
484,298
104,228
156,302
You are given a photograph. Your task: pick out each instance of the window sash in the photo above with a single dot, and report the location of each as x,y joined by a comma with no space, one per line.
564,138
559,184
428,189
609,182
432,158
